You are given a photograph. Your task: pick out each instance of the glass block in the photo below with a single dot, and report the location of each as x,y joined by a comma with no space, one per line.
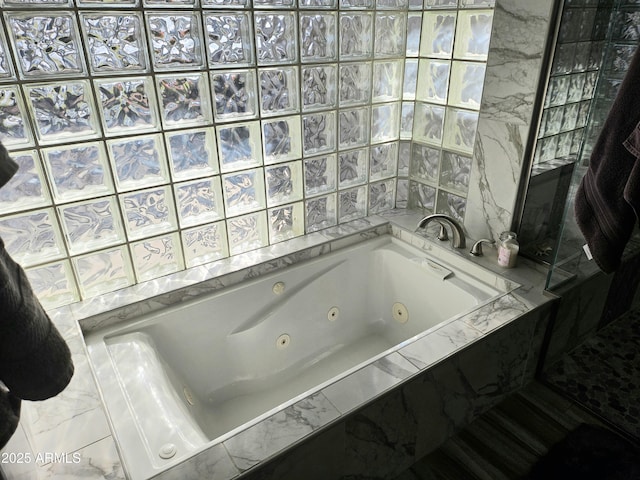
33,237
39,3
14,128
184,100
582,54
229,39
317,3
570,117
247,232
386,86
205,243
321,212
281,139
473,32
225,3
286,222
553,120
276,38
576,143
626,26
78,171
548,148
319,175
583,114
576,87
115,42
414,27
455,171
274,3
27,188
563,149
148,212
382,196
62,111
410,79
53,284
192,153
402,193
319,133
390,34
589,85
392,4
279,91
240,146
46,45
169,3
357,4
352,204
425,163
558,90
138,162
383,162
429,4
244,191
91,225
176,40
428,123
356,35
199,201
353,127
318,87
355,82
477,3
283,183
433,81
108,3
451,204
156,257
104,271
438,30
467,81
235,95
422,196
127,103
6,66
318,37
385,122
595,55
460,130
406,120
353,167
563,58
404,158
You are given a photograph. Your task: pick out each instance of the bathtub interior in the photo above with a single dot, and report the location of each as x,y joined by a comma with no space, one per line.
198,372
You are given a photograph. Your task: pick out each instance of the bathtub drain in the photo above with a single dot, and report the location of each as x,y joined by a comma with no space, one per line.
400,312
167,451
283,341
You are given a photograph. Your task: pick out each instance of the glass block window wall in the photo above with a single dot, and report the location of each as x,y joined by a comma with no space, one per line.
158,136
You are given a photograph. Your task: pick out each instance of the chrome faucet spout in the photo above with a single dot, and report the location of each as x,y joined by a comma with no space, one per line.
457,231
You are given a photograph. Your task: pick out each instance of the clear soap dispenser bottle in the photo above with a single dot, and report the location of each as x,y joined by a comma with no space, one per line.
508,248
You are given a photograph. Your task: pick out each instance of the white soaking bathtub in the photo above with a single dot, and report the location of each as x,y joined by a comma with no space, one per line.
197,373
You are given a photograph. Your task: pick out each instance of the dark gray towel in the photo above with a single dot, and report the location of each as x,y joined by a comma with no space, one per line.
8,167
608,198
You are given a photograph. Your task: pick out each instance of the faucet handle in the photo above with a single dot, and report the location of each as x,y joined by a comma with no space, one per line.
443,236
476,249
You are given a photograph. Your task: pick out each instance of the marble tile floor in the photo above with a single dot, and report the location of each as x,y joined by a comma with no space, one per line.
505,442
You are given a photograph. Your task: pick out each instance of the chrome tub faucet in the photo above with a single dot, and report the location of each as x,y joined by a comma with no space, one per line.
456,229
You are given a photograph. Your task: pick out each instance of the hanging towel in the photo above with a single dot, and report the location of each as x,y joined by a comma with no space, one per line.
35,361
607,201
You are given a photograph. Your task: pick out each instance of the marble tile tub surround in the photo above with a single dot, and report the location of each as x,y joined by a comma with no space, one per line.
74,425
